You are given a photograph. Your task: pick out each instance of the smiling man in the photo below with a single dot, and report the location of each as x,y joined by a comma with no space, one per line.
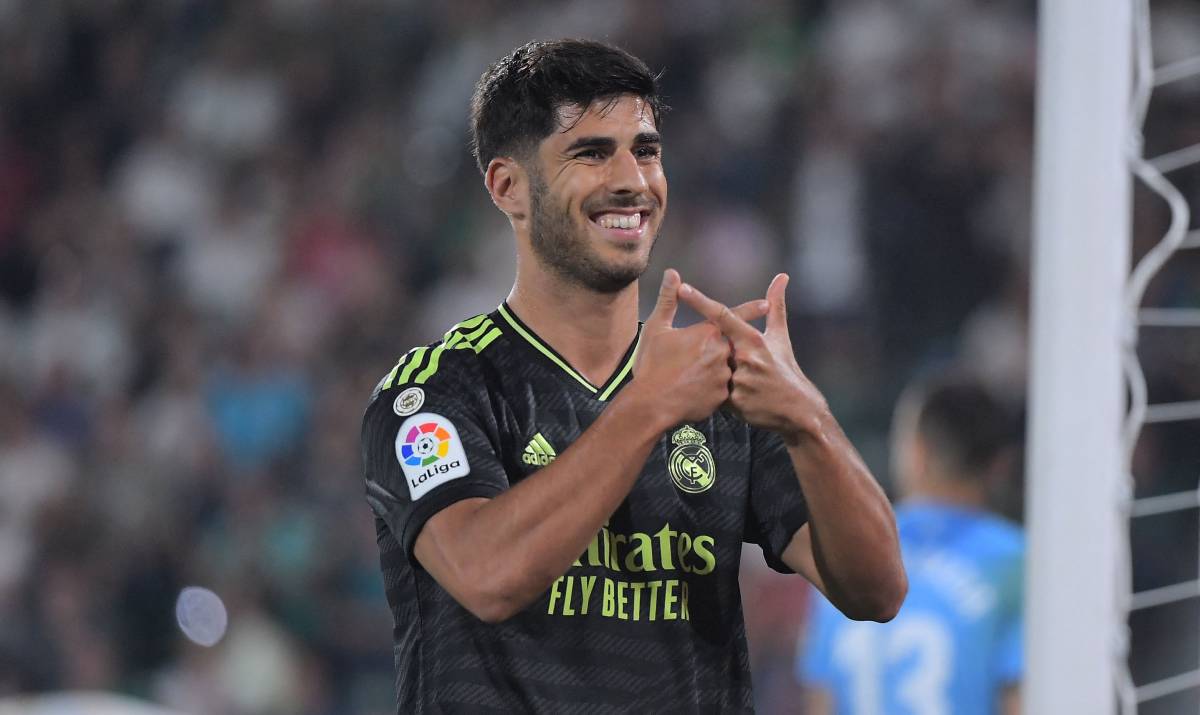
561,493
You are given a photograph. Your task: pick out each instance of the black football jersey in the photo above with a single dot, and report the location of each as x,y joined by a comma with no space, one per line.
649,617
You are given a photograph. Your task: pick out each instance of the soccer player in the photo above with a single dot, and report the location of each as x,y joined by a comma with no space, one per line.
955,646
562,493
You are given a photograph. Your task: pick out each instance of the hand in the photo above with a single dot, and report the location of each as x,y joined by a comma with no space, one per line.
768,388
686,371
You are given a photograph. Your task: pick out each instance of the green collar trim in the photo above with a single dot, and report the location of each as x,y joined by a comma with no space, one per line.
602,393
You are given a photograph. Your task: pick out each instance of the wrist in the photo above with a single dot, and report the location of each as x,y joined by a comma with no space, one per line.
807,425
642,403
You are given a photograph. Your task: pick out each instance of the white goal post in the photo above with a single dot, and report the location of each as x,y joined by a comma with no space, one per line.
1075,630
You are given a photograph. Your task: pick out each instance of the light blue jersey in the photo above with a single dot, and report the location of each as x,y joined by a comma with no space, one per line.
957,639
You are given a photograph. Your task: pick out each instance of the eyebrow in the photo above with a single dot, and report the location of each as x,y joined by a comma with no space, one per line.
608,143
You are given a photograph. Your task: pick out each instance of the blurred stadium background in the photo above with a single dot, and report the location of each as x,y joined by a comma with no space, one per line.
220,222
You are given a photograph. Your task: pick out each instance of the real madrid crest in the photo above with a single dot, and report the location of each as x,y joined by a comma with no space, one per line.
691,464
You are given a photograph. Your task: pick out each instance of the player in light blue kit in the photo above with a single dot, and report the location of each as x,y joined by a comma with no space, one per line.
955,646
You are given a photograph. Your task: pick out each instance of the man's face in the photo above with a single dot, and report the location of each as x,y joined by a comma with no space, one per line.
598,194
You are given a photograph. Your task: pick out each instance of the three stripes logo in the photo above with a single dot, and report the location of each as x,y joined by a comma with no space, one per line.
420,364
538,452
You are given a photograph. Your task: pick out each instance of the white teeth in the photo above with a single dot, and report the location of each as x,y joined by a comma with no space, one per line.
619,220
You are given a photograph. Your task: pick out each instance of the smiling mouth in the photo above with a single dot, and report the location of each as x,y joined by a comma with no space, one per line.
629,223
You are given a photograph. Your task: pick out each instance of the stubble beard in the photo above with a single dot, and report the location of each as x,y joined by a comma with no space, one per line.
565,250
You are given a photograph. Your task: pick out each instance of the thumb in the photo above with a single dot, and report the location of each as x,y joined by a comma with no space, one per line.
777,305
668,300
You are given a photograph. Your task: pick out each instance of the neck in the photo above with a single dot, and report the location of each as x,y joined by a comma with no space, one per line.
591,330
955,492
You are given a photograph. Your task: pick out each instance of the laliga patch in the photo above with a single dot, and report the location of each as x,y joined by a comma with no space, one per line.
430,452
409,401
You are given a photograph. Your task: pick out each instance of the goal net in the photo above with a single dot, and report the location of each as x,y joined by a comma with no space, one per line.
1113,596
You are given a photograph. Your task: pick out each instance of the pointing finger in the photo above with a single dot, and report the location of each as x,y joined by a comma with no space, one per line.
751,310
777,302
717,313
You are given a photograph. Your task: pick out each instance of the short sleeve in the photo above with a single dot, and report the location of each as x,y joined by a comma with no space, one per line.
426,447
777,508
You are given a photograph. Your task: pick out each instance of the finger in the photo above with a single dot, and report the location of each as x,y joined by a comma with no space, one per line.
664,310
717,313
751,310
777,305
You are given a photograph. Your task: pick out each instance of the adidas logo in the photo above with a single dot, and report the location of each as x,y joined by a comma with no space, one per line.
538,452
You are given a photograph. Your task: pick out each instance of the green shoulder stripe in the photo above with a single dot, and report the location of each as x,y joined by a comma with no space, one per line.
390,378
420,364
472,334
486,340
416,361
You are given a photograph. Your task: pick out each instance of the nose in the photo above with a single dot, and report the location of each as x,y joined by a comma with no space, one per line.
625,174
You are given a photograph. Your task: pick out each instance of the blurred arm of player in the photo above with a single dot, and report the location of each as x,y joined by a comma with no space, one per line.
817,701
849,549
1010,700
496,556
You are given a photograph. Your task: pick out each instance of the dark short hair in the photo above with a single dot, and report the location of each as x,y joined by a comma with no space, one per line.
964,426
516,100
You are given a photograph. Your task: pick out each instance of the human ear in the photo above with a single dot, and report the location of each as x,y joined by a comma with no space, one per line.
508,185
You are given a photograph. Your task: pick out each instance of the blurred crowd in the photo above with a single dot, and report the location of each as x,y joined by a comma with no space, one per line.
221,222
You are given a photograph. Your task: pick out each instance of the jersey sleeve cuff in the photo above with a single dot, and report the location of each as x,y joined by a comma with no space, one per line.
435,501
789,524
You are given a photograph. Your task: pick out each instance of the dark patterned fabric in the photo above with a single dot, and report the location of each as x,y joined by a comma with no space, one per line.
649,618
